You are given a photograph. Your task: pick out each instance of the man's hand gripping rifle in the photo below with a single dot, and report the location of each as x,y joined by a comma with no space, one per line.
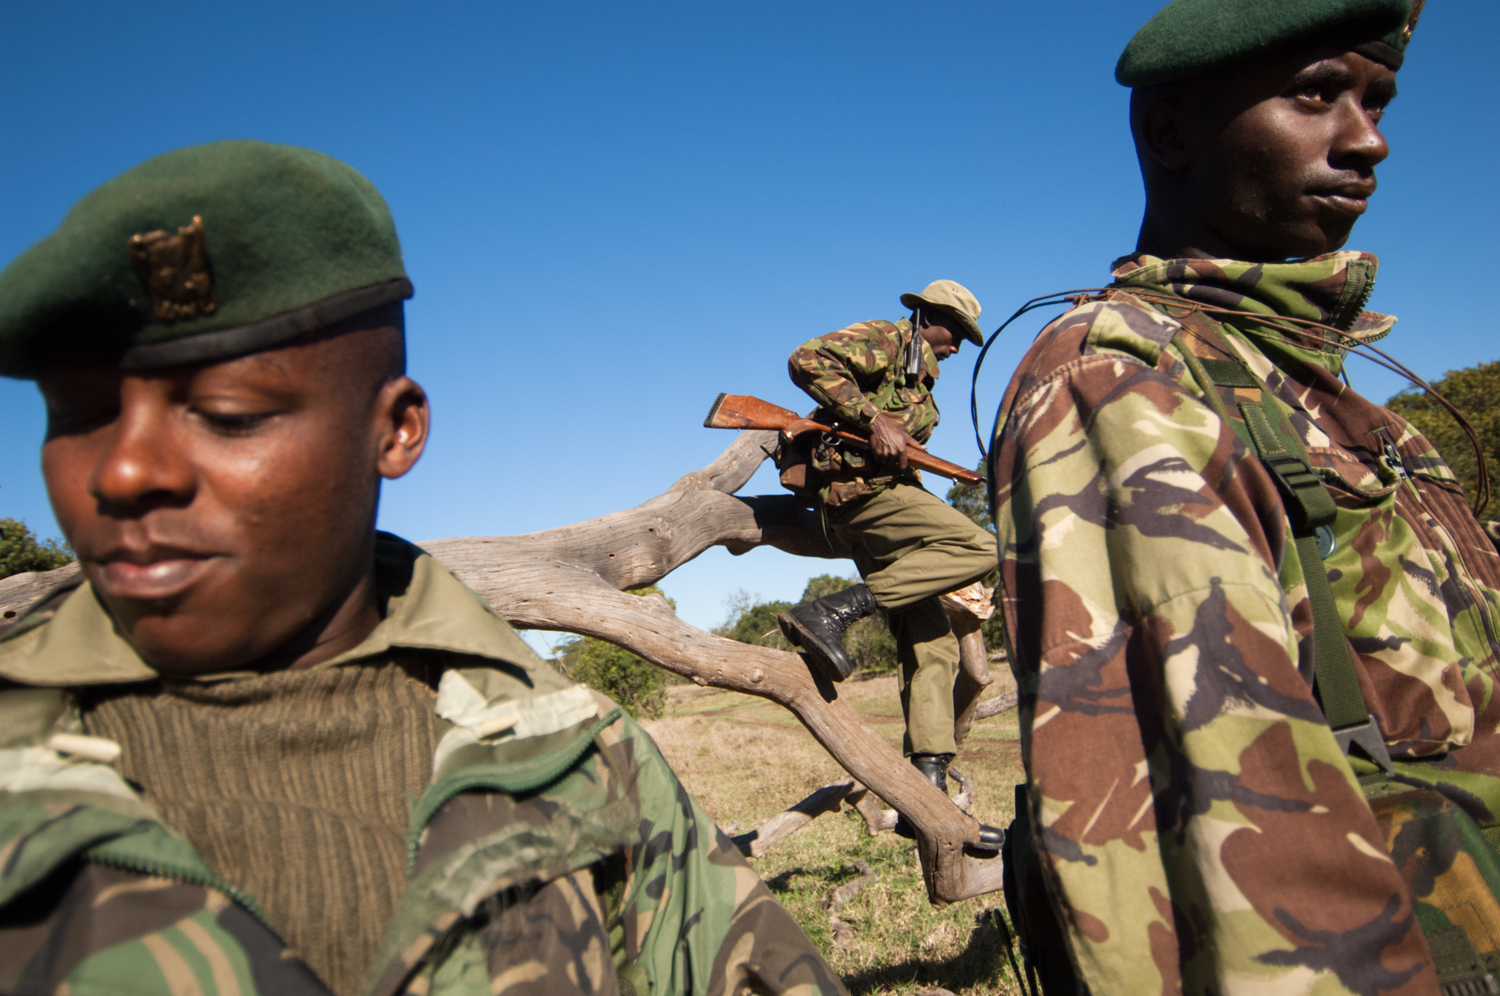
742,411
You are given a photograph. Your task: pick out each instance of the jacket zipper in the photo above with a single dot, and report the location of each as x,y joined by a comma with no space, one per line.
190,878
1393,457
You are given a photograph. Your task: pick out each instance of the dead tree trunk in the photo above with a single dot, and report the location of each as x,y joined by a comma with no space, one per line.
573,578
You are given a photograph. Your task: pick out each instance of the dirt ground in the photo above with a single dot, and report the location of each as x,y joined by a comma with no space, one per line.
745,759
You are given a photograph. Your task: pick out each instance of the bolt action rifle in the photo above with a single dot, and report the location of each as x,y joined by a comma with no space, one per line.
741,411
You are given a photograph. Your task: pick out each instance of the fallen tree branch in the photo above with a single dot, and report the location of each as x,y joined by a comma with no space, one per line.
843,930
967,610
1004,702
967,791
20,591
827,799
878,819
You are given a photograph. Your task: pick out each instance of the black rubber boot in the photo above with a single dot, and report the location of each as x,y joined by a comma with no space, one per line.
818,628
934,767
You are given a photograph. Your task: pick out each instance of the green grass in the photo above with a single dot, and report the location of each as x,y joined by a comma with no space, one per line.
746,759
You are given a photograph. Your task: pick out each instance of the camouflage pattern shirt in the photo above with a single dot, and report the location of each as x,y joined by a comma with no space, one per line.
1199,828
855,374
553,850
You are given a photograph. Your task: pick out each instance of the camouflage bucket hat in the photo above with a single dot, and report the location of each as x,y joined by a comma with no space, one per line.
199,255
955,298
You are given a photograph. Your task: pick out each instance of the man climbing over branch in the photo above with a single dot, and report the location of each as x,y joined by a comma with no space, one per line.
909,546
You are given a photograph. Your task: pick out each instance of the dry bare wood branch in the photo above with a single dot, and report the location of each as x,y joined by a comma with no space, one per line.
968,792
967,609
827,799
878,819
841,894
1004,702
966,784
19,591
843,930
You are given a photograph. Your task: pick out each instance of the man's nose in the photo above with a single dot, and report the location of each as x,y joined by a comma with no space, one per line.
1358,142
143,463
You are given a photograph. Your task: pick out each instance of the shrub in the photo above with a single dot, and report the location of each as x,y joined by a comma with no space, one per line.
973,501
637,685
1475,391
21,551
869,641
754,622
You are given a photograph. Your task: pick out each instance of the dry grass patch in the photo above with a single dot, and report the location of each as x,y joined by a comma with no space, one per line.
745,759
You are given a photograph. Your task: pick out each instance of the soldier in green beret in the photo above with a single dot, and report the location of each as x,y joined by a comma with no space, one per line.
910,546
259,747
1253,620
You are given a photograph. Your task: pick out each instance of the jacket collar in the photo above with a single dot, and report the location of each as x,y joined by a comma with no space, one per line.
1331,289
425,608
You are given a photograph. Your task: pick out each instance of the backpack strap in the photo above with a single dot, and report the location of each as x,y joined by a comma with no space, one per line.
1311,511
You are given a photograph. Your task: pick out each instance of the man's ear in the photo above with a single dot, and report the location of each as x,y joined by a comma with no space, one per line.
401,422
1163,133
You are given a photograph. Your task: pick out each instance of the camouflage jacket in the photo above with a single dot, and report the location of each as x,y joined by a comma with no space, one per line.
1200,829
553,850
855,374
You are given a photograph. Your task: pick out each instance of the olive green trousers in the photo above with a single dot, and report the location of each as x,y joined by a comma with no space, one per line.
910,547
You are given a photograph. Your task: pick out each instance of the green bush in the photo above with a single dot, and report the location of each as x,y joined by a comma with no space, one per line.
1475,391
869,641
972,500
21,551
637,685
755,623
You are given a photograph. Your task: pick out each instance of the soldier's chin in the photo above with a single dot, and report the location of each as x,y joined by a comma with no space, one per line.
1334,229
177,640
1314,238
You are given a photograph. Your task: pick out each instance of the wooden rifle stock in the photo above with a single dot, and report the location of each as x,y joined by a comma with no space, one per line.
742,411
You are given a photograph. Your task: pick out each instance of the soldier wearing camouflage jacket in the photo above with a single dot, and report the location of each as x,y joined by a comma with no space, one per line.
1190,822
557,854
1200,821
910,546
856,374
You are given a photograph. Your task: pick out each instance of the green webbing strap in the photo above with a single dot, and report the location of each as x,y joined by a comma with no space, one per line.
1309,506
1230,373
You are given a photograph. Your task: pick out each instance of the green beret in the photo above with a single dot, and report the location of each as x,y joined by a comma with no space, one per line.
1190,37
199,255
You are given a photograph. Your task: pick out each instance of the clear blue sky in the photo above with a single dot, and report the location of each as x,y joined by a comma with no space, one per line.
614,211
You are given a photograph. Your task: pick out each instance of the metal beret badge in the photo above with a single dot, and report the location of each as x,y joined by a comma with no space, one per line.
174,270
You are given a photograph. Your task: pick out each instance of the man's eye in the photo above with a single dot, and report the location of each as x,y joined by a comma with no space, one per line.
232,424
